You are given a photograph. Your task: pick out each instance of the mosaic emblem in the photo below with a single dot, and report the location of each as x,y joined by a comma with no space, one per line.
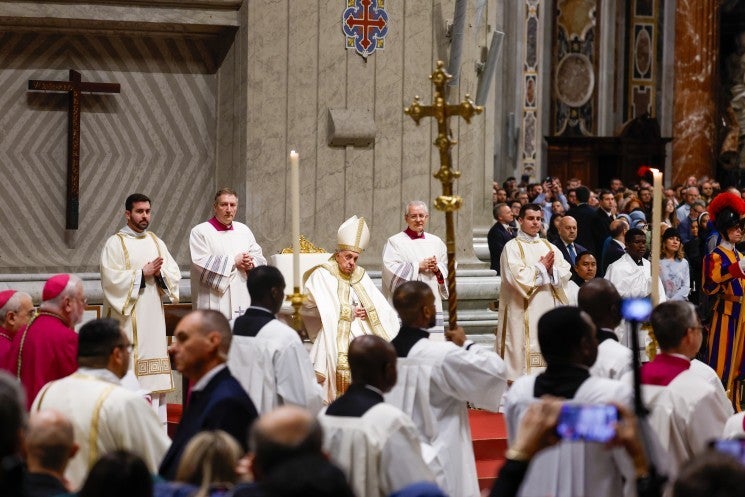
365,25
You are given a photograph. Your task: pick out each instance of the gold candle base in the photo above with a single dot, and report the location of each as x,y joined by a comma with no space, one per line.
296,299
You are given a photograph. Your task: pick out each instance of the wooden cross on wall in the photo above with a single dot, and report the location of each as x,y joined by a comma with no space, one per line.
73,88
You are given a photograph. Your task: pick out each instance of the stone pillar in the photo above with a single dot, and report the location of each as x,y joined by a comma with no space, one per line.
695,102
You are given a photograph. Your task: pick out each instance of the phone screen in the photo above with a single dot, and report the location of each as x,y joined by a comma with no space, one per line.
636,309
592,423
734,448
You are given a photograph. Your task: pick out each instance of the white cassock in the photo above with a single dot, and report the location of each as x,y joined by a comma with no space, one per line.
734,428
707,373
401,258
105,417
215,281
329,316
379,452
573,469
274,368
633,281
526,293
685,415
614,360
435,381
138,308
571,290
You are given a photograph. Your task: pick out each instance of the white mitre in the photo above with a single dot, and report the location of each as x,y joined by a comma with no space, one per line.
353,235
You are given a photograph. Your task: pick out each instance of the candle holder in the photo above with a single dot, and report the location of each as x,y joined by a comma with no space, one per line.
296,299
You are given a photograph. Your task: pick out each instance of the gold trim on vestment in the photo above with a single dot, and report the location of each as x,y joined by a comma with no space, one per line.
93,435
128,267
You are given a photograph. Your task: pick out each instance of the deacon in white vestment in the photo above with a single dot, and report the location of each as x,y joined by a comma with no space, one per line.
343,303
435,382
223,251
266,356
106,416
534,274
375,444
137,275
602,302
570,469
414,255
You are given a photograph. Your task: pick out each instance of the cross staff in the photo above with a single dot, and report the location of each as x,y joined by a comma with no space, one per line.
74,88
446,202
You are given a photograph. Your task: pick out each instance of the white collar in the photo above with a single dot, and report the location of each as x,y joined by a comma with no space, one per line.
374,389
727,245
208,377
102,374
521,235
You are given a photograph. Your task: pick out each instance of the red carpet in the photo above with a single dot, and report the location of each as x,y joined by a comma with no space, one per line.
489,435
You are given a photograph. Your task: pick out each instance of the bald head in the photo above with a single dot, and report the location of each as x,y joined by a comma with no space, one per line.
372,361
618,228
411,301
283,434
50,441
568,229
600,299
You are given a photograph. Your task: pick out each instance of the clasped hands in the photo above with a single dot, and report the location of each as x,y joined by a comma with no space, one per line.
429,265
244,261
548,262
152,268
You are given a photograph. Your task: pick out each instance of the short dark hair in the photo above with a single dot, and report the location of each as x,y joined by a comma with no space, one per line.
670,322
529,207
224,191
408,298
604,192
118,474
269,453
710,473
12,414
630,234
97,338
261,280
560,332
133,199
583,194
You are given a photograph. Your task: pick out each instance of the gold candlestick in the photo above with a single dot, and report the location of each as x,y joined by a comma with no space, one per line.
296,299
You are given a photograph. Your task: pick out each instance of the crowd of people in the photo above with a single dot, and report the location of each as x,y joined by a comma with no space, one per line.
379,404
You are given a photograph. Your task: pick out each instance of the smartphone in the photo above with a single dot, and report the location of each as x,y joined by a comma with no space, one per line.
734,448
636,309
590,423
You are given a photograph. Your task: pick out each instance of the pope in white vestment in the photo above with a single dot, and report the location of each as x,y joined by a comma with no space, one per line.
343,303
106,417
406,252
526,293
136,300
222,252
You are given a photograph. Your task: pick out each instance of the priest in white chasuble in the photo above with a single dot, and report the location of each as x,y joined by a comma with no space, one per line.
413,255
138,274
534,273
343,303
223,251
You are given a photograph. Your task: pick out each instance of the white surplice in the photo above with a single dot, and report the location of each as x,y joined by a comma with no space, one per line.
614,360
105,417
401,258
215,281
275,369
435,381
685,415
707,373
138,308
379,452
527,292
328,313
733,428
573,469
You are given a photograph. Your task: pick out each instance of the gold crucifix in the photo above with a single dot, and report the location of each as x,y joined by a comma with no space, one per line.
446,202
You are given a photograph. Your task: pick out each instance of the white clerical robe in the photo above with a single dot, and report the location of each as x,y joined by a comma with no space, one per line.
435,381
379,452
274,369
139,307
401,258
215,281
329,316
573,469
707,373
105,417
685,415
734,428
614,360
526,293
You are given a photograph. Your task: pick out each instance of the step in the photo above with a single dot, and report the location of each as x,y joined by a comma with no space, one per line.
489,434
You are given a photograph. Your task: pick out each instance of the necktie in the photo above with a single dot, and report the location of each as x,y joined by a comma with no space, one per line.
572,253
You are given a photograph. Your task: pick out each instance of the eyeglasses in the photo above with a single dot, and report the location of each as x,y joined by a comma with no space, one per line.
130,347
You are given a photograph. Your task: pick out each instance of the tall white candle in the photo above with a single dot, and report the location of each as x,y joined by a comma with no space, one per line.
295,178
656,235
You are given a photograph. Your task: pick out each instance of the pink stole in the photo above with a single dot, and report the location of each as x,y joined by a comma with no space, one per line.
663,369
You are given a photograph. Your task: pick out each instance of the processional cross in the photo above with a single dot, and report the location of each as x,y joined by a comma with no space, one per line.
73,88
446,202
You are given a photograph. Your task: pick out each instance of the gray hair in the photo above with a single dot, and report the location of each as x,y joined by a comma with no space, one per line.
415,203
12,304
67,292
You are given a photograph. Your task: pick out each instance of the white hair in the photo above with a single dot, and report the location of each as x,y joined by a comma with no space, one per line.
415,203
68,291
13,304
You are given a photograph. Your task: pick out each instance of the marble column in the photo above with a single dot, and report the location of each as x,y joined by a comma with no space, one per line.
695,103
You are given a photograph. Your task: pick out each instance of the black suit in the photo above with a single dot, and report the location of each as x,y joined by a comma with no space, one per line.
565,252
251,322
611,255
355,402
221,405
497,237
584,215
600,230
